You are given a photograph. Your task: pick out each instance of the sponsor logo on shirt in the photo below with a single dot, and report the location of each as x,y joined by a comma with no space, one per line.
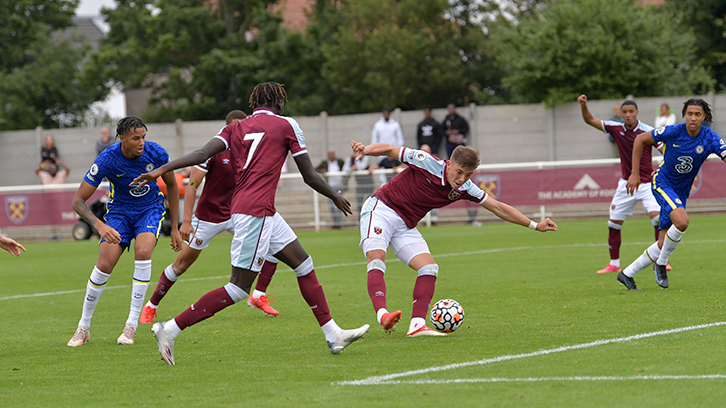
139,191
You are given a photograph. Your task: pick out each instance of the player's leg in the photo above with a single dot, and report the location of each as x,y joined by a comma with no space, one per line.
143,247
621,206
259,299
108,256
674,221
653,208
169,276
301,263
377,226
411,248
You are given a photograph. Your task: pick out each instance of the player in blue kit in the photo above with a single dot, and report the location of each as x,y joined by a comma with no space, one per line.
132,213
687,146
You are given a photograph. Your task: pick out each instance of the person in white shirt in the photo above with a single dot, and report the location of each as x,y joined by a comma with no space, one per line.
387,130
666,117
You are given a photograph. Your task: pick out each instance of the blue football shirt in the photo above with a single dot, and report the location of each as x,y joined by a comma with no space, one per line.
121,171
684,156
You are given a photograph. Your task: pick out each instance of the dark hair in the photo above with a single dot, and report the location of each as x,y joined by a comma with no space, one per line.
427,107
386,109
629,102
129,123
703,104
235,114
267,94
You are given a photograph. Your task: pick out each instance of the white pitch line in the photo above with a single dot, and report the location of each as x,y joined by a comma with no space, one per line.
341,265
575,378
383,379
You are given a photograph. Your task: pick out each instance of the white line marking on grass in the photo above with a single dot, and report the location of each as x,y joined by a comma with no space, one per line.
342,265
576,378
383,379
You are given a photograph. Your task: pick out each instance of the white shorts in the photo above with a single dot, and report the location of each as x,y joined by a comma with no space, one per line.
258,238
381,227
623,204
205,231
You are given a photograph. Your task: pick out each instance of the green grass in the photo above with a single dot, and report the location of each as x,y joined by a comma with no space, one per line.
522,292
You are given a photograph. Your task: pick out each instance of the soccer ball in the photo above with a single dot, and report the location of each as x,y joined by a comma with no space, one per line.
447,315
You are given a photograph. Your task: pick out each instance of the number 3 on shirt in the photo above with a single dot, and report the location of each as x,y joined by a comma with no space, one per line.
255,138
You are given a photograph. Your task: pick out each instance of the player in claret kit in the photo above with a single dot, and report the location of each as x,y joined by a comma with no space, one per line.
211,218
687,146
134,212
390,216
623,204
258,145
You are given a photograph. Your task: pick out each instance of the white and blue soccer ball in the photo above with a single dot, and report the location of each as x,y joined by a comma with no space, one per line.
447,315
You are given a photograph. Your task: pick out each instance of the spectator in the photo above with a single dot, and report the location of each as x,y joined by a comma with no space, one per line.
51,169
456,128
104,142
617,114
429,133
332,165
666,117
387,130
363,183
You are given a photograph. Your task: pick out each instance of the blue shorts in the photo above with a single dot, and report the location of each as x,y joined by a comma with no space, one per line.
669,200
131,224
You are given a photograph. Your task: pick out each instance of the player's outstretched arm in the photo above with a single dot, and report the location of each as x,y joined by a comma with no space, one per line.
212,147
172,190
84,192
11,246
195,180
634,179
511,214
318,183
375,149
587,115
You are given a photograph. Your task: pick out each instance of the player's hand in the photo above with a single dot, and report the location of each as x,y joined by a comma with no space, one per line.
176,240
582,99
109,234
186,230
11,245
145,178
358,148
342,204
546,225
633,184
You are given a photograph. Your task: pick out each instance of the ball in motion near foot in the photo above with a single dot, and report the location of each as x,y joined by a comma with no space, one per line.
447,315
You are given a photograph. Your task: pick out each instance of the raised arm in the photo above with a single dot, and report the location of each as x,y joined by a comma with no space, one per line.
212,147
195,180
640,141
172,190
587,115
511,214
375,149
313,179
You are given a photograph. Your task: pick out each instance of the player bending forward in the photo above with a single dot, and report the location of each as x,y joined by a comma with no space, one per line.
390,216
212,217
258,145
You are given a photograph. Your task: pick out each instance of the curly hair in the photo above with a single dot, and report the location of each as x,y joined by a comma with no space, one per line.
127,124
703,104
267,94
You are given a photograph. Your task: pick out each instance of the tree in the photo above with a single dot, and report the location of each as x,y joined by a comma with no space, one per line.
707,20
40,79
606,48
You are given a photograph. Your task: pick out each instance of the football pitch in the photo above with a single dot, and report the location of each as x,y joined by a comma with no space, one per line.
542,329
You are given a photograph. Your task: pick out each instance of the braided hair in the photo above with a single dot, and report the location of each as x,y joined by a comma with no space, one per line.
268,94
703,104
127,124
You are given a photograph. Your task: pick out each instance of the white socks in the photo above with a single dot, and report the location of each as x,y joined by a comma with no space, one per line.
331,330
257,294
643,261
416,323
94,288
142,276
671,241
